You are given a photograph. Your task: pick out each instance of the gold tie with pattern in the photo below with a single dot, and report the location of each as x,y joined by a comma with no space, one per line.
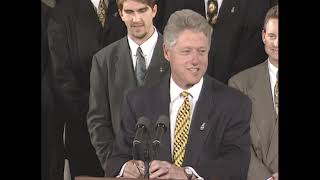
101,11
276,96
181,130
212,12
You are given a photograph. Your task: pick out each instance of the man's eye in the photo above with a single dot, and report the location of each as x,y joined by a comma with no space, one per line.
202,51
128,11
185,52
272,36
143,10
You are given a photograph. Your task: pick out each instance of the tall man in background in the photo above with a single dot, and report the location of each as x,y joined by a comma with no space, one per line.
260,83
76,31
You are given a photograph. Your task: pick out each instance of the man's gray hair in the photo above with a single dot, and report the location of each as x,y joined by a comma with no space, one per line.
185,19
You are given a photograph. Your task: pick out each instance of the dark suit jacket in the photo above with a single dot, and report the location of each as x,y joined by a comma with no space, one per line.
219,151
255,83
52,148
236,40
112,75
167,7
75,35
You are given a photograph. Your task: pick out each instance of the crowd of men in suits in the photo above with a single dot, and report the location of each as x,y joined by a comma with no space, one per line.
100,77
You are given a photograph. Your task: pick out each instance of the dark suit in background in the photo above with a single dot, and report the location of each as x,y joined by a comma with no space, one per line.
216,152
236,40
52,125
112,75
167,7
75,35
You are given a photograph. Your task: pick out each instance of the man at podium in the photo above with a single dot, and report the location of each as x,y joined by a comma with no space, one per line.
208,130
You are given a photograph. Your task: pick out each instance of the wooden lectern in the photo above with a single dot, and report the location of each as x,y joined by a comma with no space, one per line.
101,178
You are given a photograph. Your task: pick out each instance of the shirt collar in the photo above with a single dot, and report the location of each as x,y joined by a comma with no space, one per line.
273,70
147,46
194,91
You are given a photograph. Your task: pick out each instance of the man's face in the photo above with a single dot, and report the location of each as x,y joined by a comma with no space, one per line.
270,40
138,19
188,58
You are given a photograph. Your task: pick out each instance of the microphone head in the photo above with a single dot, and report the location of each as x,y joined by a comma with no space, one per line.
163,121
143,122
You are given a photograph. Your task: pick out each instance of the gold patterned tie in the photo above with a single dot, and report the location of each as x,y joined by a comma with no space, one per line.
276,96
101,11
212,12
181,130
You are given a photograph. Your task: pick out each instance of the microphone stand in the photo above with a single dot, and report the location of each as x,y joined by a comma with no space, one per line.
146,162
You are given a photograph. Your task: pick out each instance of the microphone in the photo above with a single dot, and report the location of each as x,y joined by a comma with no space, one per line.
141,145
142,126
161,127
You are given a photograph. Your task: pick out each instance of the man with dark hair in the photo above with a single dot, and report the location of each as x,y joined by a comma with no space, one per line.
133,61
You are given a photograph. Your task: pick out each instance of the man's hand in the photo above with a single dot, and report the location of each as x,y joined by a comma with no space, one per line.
275,176
134,169
165,170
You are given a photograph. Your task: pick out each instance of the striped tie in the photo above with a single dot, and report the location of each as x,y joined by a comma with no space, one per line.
141,69
101,11
181,130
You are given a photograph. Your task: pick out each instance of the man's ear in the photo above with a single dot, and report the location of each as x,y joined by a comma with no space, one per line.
263,36
165,52
120,13
154,10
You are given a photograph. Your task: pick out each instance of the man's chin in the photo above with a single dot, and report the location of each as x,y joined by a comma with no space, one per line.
139,35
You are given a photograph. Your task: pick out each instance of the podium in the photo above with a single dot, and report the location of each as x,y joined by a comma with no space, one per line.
102,178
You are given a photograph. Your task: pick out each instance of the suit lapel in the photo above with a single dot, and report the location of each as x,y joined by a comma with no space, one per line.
200,125
123,67
88,29
163,100
273,149
158,65
263,114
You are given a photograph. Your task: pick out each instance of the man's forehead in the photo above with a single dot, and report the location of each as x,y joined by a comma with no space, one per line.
137,5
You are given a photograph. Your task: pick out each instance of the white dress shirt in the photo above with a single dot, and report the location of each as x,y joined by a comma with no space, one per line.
176,102
273,70
96,3
147,48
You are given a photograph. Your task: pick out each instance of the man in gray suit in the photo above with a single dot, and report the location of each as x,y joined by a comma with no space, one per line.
260,84
117,68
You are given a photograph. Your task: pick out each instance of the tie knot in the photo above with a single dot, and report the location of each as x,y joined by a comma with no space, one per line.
184,94
139,51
